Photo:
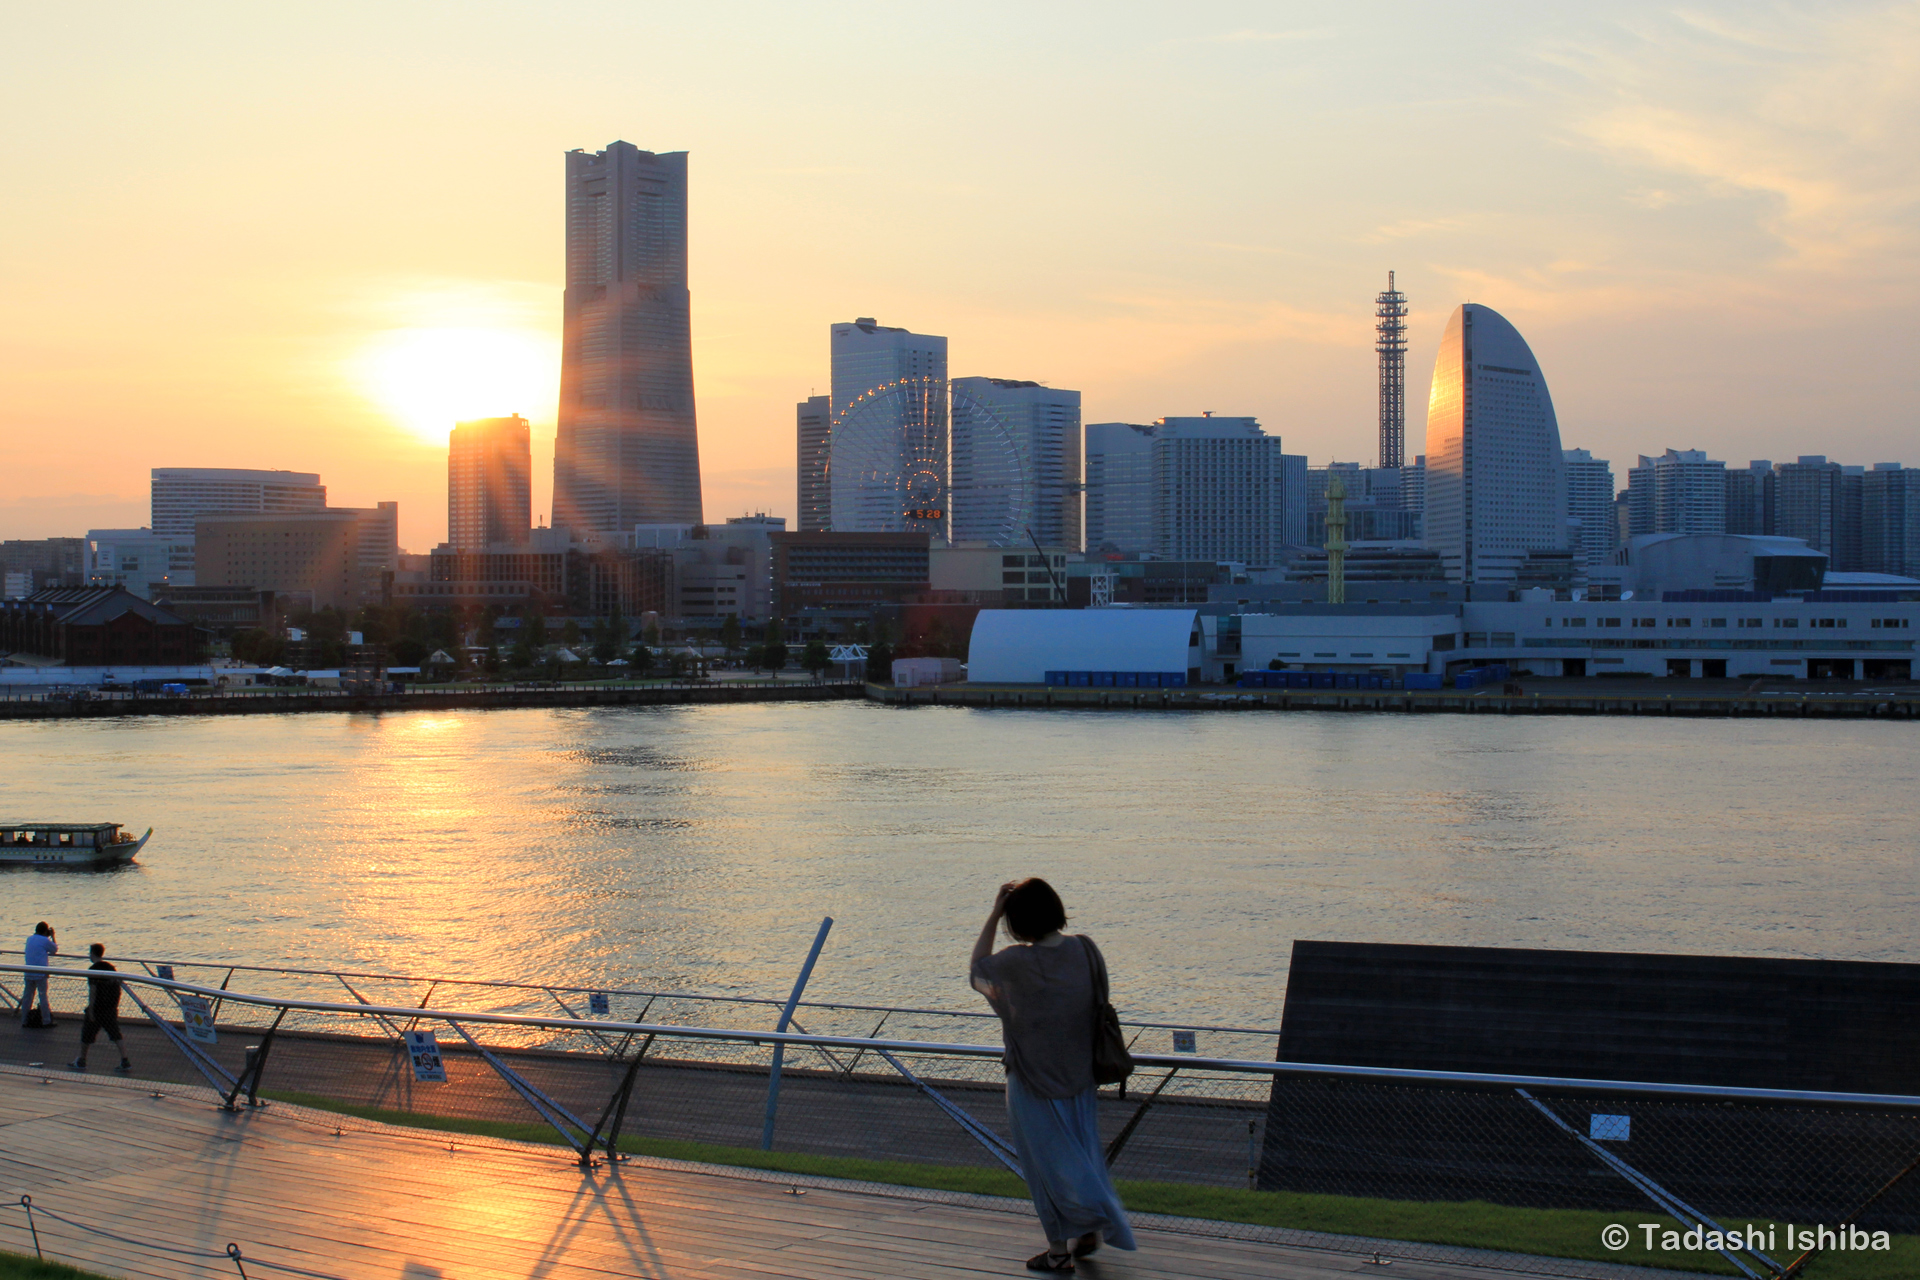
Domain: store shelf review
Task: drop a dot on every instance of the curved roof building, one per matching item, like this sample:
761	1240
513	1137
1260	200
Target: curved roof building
1496	479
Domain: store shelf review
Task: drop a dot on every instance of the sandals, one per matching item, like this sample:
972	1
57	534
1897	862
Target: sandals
1086	1244
1050	1261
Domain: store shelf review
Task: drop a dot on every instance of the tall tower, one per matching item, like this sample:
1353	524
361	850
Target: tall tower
627	451
489	483
1337	545
887	462
1391	343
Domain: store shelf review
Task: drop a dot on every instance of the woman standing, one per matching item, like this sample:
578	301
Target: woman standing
1044	989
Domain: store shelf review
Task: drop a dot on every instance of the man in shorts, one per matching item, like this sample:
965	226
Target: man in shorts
103	1012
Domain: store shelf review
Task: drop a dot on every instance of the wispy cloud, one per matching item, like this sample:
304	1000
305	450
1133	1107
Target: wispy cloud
1250	36
1412	228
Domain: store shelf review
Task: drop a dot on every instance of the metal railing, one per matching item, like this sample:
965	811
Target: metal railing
1336	1148
203	693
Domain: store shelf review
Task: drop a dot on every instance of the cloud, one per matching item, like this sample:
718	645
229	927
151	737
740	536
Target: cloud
1249	36
1409	228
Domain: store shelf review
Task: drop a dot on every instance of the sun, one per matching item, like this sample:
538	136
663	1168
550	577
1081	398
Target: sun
427	379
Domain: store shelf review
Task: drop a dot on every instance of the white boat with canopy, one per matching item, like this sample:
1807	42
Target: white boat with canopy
71	844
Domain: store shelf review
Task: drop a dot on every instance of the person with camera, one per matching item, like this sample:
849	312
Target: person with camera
1050	990
42	946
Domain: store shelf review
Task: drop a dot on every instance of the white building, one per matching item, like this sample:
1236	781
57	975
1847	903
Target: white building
1681	491
813	432
140	560
1020	646
1649	565
1119	487
1220	489
1015	463
181	495
1496	483
1010	575
1590	506
887	463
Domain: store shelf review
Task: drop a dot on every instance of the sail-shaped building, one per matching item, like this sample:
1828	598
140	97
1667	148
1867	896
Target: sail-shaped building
1496	480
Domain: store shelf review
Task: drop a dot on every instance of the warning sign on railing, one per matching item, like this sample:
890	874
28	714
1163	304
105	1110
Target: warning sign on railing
424	1049
597	1003
197	1016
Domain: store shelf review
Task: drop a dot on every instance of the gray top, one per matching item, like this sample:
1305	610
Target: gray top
1045	999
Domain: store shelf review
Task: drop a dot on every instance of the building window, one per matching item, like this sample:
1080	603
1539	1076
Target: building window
1573	622
1609	622
1679	622
1716	622
1786	623
1643	622
1749	622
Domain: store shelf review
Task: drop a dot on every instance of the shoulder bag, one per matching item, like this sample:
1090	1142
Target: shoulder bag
1112	1064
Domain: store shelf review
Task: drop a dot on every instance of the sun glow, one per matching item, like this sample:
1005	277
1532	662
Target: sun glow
427	379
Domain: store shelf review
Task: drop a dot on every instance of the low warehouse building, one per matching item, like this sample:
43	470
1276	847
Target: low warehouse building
1021	646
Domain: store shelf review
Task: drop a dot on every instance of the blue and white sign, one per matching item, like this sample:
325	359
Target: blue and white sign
1185	1042
1609	1128
196	1016
424	1049
165	971
597	1003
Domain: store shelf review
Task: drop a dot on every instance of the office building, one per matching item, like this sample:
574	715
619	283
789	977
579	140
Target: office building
552	573
718	569
814	431
141	560
1219	491
1119	505
847	573
34	563
1014	463
887	466
1590	505
1808	502
1890	520
1496	483
342	557
490	483
182	495
627	450
1681	491
995	577
1374	505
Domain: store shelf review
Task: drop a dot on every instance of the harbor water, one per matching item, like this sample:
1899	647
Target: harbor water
697	848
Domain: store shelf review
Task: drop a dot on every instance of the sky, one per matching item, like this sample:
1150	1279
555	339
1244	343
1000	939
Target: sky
313	237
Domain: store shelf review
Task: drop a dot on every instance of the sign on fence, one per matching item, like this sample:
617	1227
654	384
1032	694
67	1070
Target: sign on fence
197	1017
165	971
424	1049
1184	1042
597	1003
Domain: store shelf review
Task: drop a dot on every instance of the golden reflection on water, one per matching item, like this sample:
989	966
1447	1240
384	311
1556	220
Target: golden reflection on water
699	847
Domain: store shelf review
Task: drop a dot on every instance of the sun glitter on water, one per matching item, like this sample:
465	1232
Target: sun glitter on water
428	378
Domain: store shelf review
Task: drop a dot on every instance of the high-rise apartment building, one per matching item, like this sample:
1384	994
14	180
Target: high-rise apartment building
490	483
1806	503
1219	491
1890	520
887	464
1413	486
1590	505
182	495
1014	470
1119	510
627	450
1681	491
1496	488
1747	498
813	420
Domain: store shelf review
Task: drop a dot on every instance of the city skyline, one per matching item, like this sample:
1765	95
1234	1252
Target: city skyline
1699	220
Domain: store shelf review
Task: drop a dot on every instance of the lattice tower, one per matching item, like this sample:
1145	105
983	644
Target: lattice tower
1391	308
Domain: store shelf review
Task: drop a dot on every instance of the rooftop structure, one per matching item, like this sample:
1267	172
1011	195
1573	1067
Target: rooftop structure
1496	485
627	450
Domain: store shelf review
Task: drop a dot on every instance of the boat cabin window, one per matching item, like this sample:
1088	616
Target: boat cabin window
66	837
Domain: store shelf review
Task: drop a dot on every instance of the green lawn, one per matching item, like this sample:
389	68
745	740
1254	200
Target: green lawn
1560	1233
18	1266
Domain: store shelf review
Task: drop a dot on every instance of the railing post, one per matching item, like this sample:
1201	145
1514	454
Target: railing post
786	1016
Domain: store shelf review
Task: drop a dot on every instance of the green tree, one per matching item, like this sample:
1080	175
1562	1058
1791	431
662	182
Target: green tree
523	654
773	656
652	634
491	662
815	658
730	633
642	660
535	628
570	633
880	662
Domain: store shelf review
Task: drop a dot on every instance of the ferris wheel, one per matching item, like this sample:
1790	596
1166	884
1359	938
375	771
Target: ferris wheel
890	468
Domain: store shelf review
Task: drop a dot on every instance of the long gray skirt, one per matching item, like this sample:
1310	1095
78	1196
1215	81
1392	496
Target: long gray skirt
1059	1144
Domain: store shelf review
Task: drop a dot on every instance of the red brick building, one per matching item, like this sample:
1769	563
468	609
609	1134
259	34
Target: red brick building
96	626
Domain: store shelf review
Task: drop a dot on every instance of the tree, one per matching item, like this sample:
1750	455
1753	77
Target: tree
773	656
523	653
570	633
534	628
652	634
880	662
642	660
730	633
815	658
491	662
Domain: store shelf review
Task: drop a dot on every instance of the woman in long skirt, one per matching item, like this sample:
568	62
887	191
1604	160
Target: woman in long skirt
1043	987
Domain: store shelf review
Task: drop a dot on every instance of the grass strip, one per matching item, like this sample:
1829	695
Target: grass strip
1474	1224
19	1266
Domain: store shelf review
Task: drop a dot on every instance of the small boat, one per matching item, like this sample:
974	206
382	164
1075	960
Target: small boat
67	844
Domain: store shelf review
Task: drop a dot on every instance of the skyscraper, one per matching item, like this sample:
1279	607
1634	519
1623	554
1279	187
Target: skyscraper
1496	481
627	451
1119	487
1219	491
182	494
1681	491
1015	463
1747	498
813	421
887	464
489	483
1590	505
1806	503
1390	308
1890	520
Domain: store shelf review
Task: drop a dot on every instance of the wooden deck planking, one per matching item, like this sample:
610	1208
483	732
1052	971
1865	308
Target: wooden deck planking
374	1204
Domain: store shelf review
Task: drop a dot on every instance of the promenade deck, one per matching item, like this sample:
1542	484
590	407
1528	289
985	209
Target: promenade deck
172	1170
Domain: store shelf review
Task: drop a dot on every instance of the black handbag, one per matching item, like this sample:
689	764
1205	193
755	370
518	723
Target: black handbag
1112	1064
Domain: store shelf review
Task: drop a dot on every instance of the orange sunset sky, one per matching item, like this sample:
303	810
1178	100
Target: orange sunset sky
312	237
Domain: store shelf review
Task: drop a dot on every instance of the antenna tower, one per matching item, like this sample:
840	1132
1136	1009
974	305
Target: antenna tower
1391	308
